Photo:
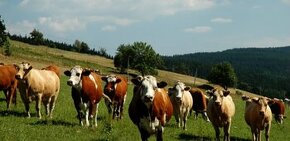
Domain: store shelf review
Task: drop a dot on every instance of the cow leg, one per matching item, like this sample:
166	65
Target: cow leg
24	99
96	117
267	131
217	132
205	117
52	105
185	119
159	132
144	134
109	106
46	102
38	105
195	115
254	134
121	108
86	110
227	129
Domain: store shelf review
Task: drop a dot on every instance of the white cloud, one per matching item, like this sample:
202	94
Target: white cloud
108	28
62	24
131	10
267	42
21	27
198	29
221	20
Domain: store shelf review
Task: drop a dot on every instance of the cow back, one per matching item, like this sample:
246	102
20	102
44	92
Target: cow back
92	87
162	106
121	89
199	100
53	68
7	76
42	81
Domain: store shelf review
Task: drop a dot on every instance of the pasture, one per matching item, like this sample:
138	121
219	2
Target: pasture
64	124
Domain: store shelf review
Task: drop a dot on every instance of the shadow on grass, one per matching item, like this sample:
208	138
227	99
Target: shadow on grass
12	113
59	122
55	123
190	137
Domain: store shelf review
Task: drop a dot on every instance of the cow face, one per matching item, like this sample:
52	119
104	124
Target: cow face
111	83
218	95
147	87
75	76
178	90
23	69
262	104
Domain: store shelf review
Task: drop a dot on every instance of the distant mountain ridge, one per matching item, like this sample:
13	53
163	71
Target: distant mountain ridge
263	71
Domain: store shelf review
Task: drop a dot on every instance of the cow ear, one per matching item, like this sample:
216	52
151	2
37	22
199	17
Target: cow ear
118	80
255	100
86	72
16	67
161	84
104	78
226	92
270	101
210	92
187	88
67	73
136	81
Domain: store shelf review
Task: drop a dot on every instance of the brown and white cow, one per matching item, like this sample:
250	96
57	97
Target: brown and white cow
86	92
116	90
150	107
200	101
258	116
278	110
181	100
220	111
8	83
43	85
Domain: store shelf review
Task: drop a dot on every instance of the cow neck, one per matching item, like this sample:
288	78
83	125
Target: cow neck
27	71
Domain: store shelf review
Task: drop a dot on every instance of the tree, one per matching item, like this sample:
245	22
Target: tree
223	74
37	37
3	36
139	56
77	45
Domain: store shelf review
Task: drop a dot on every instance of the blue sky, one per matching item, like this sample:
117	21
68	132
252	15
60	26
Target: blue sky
169	26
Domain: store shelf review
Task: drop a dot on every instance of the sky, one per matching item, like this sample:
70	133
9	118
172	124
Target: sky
171	27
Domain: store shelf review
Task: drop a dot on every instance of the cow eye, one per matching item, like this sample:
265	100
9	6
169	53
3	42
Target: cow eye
78	74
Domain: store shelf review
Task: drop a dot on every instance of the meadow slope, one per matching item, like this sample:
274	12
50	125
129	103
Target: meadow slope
64	125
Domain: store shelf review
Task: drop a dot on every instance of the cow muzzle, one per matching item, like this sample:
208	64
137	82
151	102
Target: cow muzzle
148	98
262	113
70	83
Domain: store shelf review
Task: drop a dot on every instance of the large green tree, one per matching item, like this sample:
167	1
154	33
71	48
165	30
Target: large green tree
139	56
37	37
223	74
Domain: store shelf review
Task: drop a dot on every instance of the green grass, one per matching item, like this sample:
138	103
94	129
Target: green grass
64	124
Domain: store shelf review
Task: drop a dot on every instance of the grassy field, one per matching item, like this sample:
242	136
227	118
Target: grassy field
64	124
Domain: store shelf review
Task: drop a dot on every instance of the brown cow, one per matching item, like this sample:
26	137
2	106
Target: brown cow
116	90
221	109
86	92
278	110
150	107
181	100
8	83
258	116
44	85
53	68
200	101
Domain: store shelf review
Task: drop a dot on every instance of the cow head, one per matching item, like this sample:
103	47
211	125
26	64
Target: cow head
278	109
262	104
218	95
111	83
22	70
178	90
147	87
75	76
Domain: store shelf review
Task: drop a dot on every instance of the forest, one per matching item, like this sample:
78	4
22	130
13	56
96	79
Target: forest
264	71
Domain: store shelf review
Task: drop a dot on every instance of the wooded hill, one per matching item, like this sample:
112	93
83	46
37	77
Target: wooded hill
264	71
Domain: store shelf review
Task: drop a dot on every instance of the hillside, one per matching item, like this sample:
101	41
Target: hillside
259	70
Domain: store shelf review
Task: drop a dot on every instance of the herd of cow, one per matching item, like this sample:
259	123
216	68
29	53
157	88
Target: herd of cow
151	106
